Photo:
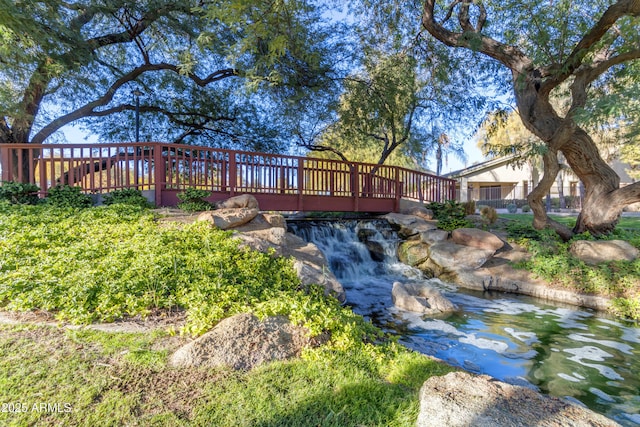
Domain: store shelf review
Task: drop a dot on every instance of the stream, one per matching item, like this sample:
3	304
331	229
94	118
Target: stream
556	349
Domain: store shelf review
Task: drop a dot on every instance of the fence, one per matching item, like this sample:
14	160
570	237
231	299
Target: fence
279	182
501	196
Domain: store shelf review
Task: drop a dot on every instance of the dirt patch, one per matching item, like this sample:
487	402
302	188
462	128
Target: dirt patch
174	216
158	319
176	390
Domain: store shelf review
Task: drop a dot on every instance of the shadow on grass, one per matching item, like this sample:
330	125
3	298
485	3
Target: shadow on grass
334	393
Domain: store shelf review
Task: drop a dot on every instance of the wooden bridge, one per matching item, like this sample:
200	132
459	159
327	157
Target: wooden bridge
279	182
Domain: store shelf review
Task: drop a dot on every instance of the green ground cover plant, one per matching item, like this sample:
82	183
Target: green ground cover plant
192	200
19	193
552	261
625	223
66	196
110	262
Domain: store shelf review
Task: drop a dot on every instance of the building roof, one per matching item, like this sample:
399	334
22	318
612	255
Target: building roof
480	167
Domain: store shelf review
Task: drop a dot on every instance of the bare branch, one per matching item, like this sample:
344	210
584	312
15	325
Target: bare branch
463	17
89	109
450	10
510	56
324	148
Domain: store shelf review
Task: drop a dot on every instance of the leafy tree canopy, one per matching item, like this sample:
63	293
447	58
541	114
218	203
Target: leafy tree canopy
212	72
588	50
401	99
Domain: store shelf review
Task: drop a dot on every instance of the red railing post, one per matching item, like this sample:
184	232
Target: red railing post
398	190
355	171
233	173
300	183
159	168
5	163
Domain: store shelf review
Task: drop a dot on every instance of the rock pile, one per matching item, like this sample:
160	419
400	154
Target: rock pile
263	231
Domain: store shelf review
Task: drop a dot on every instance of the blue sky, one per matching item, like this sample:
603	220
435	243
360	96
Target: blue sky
74	134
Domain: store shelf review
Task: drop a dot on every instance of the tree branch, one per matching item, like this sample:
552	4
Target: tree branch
324	148
608	19
508	55
89	109
627	194
592	73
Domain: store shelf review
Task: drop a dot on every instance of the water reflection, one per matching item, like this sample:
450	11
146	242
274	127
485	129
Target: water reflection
558	350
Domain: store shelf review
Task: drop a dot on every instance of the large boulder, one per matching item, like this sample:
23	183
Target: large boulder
241	201
460	399
476	238
451	257
413	252
409	207
318	274
269	227
433	236
420	298
409	225
243	342
369	237
228	218
595	252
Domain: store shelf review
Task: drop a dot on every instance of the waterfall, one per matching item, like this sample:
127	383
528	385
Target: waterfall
351	246
363	256
563	351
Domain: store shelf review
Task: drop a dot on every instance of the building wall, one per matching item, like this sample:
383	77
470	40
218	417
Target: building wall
507	182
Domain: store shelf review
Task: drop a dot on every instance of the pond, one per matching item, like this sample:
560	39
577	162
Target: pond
559	350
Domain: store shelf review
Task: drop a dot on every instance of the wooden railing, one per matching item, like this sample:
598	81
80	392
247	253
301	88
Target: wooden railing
279	182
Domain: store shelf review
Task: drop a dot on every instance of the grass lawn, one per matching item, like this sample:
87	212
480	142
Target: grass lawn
91	378
626	222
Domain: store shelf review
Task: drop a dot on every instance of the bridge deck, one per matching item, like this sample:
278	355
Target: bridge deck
279	182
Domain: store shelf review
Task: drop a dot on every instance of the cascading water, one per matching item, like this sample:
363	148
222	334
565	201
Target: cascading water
559	350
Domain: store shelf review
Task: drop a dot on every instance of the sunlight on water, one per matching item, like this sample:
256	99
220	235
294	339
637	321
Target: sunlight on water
558	350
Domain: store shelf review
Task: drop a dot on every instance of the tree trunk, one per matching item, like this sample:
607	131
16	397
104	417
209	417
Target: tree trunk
535	198
604	200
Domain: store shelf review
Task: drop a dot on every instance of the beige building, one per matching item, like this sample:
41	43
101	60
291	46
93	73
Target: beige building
498	182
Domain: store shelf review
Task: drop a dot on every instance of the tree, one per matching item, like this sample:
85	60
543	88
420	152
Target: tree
394	110
591	47
212	72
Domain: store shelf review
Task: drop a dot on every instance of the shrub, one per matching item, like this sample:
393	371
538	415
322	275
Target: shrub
488	214
66	196
512	208
518	230
526	208
448	209
470	207
19	193
450	215
626	307
192	200
127	196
